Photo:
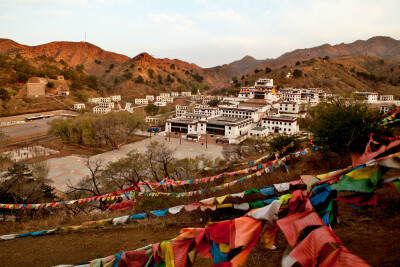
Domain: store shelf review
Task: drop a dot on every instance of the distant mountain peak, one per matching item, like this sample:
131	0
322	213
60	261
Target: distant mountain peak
247	57
143	56
378	46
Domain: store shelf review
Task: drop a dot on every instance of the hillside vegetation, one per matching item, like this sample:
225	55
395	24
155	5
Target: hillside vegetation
370	65
335	75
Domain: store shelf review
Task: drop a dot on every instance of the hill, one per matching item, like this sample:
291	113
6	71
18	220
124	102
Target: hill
246	63
379	46
8	46
116	72
144	74
73	53
340	75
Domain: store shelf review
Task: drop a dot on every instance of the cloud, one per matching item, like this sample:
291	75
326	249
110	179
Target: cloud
177	21
8	18
228	15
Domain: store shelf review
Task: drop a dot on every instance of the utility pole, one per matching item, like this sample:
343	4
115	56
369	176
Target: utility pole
169	136
206	139
180	137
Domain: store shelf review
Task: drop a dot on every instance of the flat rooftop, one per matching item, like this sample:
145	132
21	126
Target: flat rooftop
258	129
289	102
221	120
281	118
237	108
195	115
183	119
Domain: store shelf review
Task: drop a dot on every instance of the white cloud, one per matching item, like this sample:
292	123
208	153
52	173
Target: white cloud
177	21
227	15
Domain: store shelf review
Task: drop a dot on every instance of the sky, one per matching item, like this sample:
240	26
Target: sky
205	32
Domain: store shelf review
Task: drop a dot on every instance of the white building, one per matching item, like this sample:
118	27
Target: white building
370	97
264	83
386	98
155	120
159	98
168	100
141	101
165	95
201	105
186	93
94	100
224	126
240	112
293	95
160	104
207	111
110	105
115	98
100	110
262	89
63	92
281	125
385	109
79	106
180	110
150	97
288	107
164	99
174	94
206	98
258	132
310	95
105	100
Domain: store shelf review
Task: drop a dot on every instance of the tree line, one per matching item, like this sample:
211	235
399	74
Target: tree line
111	129
156	164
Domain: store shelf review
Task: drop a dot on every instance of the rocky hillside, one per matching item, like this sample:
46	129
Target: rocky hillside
380	46
8	46
341	75
144	74
73	53
119	73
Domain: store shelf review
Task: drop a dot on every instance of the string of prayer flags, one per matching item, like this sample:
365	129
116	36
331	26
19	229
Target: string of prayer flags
123	194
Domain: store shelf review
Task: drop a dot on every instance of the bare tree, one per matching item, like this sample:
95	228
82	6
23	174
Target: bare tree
126	171
258	143
92	182
160	156
234	152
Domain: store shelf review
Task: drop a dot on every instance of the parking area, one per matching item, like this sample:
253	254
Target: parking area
73	167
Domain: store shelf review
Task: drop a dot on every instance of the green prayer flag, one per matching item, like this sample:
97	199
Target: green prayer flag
256	204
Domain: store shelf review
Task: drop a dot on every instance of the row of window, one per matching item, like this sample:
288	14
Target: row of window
242	125
237	112
280	129
294	109
278	122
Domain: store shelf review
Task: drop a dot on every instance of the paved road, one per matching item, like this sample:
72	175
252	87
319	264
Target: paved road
73	167
28	128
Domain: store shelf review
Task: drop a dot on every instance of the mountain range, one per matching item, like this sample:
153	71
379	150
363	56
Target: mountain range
120	73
